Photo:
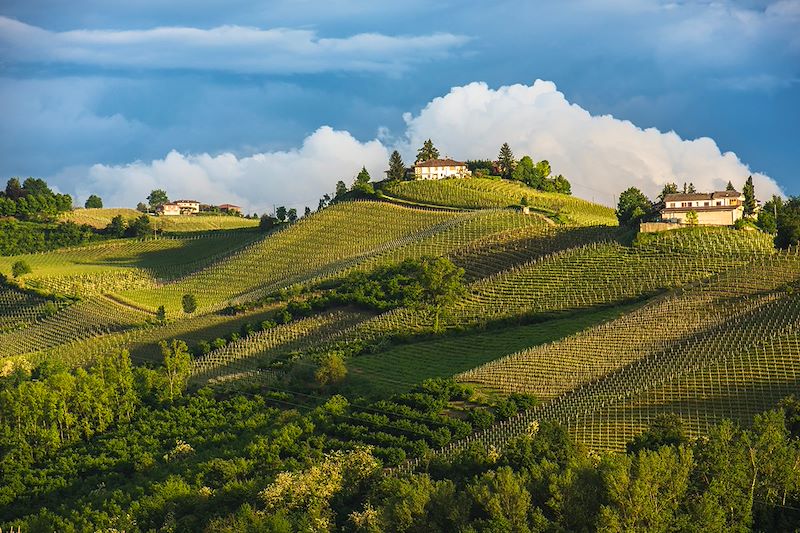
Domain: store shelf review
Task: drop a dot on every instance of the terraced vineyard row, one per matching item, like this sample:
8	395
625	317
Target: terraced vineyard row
246	354
19	309
578	278
89	318
481	193
726	349
326	242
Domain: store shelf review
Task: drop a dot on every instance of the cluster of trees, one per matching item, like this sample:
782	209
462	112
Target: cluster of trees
140	226
25	237
32	200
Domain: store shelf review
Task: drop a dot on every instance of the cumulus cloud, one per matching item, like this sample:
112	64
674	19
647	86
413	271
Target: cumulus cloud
228	48
601	155
295	178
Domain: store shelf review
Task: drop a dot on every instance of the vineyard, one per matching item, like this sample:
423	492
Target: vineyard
100	218
606	331
482	193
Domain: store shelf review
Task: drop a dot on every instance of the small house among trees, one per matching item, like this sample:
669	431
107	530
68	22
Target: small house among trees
436	169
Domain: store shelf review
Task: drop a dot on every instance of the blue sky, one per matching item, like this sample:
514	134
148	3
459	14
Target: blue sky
120	97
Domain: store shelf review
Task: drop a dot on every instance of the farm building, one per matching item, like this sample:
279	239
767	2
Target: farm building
436	169
188	207
169	209
230	208
720	208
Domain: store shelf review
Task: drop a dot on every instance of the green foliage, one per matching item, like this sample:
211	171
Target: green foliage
281	213
691	218
428	151
749	192
177	367
397	169
32	201
291	215
666	430
506	162
442	284
93	202
161	314
633	206
157	198
341	190
267	222
361	185
330	369
730	187
20	268
669	188
788	224
189	303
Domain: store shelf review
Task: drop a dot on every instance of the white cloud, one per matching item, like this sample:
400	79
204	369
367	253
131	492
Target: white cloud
295	178
224	48
600	155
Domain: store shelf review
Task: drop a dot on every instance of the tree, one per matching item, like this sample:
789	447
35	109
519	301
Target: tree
14	189
117	226
177	366
562	185
666	430
362	184
291	215
397	169
189	303
20	268
506	161
691	218
428	151
161	314
306	211
281	213
330	369
341	190
141	207
267	222
139	227
442	284
157	197
749	192
669	188
788	224
503	498
730	187
691	189
93	202
633	205
524	171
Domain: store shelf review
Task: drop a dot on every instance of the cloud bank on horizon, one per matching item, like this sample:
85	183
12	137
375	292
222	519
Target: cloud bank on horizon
600	155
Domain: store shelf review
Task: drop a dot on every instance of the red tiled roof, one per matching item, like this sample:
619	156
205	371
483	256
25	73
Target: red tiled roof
440	163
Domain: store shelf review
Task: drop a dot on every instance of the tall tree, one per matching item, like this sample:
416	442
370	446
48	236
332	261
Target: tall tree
362	184
291	215
93	202
189	303
177	367
506	161
633	205
397	169
669	188
691	189
157	197
442	284
730	187
428	151
341	190
524	171
749	192
14	189
281	213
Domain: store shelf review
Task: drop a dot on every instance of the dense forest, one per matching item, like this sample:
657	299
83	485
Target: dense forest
129	448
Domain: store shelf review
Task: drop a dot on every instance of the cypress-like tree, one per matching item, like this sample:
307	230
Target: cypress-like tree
397	169
749	197
730	187
428	151
506	161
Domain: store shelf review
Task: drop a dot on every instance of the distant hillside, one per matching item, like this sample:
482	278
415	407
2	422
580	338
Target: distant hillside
100	218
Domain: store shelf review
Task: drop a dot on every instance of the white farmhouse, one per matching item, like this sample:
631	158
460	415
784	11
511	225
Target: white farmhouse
436	169
721	208
188	207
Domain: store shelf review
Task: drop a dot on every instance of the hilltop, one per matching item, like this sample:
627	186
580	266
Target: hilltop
434	320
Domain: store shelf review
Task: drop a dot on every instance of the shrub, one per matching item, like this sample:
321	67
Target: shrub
20	268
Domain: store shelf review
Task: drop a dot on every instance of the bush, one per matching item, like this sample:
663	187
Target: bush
189	303
20	268
481	418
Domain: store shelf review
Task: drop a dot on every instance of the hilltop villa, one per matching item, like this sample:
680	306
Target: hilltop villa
188	207
721	208
436	169
170	209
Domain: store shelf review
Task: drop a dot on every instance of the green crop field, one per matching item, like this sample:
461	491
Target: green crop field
100	218
482	193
